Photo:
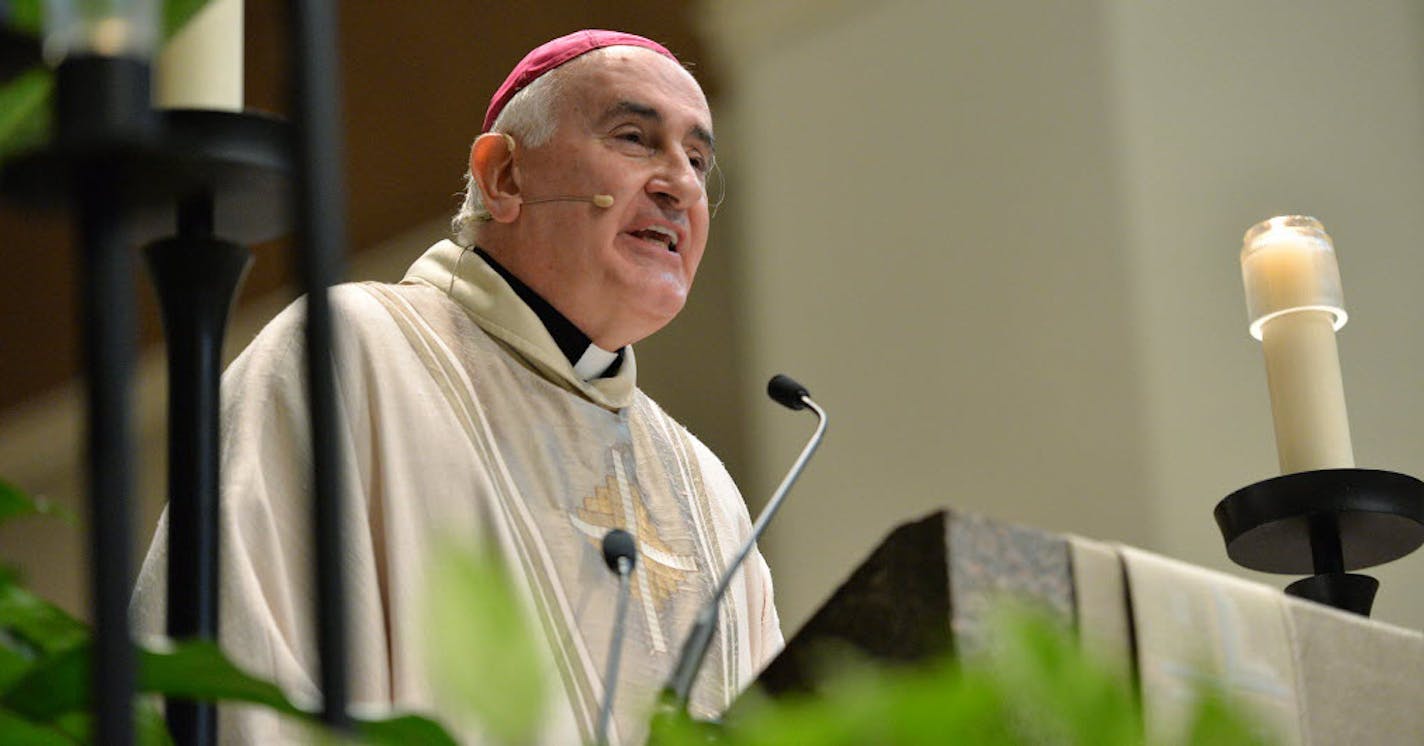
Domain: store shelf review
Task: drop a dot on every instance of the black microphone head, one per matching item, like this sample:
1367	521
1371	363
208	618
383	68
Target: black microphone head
786	391
619	543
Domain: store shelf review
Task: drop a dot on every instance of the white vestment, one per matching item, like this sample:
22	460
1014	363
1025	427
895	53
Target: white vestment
460	418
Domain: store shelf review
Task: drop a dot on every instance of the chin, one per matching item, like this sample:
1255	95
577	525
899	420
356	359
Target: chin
656	313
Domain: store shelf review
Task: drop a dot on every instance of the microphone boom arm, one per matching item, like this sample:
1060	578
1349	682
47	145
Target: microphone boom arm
694	650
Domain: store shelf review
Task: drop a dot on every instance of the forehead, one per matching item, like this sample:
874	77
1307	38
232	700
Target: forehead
606	77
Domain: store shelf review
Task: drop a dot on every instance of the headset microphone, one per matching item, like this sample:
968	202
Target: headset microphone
597	200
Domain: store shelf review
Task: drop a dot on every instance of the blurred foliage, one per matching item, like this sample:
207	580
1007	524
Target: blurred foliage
482	649
1035	687
16	504
44	674
25	101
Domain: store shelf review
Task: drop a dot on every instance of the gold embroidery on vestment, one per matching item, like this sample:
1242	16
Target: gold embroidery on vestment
660	569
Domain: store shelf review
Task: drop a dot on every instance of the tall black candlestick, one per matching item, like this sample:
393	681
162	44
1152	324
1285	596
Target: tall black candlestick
320	217
196	276
107	309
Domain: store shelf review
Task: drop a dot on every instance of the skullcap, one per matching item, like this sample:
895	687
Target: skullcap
550	55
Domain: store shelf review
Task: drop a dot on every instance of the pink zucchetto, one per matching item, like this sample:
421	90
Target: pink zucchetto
550	55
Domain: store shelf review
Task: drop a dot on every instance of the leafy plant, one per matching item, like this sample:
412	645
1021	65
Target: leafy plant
1036	687
44	682
482	648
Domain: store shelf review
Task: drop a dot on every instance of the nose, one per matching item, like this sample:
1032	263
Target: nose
676	184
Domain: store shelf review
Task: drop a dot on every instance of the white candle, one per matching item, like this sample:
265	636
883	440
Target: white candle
201	66
1295	302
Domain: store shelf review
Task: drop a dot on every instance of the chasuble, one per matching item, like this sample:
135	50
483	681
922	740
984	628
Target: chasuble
462	420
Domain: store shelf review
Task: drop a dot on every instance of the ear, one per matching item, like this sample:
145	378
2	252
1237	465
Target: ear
492	166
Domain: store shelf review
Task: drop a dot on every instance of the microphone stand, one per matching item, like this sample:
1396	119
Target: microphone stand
678	689
615	651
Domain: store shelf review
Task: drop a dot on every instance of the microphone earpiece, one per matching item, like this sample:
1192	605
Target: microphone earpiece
603	200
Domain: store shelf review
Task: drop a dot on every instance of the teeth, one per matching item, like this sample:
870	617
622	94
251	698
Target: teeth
671	237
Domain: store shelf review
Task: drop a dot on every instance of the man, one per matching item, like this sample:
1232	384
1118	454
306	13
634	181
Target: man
490	397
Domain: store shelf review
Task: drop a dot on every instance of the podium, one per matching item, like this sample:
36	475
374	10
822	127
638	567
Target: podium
1309	673
924	593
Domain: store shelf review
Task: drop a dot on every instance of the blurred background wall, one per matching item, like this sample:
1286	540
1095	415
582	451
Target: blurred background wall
997	240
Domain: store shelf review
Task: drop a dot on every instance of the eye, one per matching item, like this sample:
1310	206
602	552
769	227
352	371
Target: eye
699	162
632	139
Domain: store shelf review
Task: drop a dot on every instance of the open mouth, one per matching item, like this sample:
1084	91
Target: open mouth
657	234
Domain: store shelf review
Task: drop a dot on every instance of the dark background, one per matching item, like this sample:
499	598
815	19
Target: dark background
416	80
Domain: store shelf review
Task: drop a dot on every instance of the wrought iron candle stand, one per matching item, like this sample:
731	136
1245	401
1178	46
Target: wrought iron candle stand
1325	524
206	182
203	183
237	197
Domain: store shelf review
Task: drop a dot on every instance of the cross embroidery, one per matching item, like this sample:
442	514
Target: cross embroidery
660	569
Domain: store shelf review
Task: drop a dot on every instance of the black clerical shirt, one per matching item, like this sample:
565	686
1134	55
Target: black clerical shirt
570	339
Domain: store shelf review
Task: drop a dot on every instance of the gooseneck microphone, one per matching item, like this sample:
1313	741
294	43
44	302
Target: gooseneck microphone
792	395
784	390
620	553
597	200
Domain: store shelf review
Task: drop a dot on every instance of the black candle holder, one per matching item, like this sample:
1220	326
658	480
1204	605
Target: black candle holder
202	183
237	171
132	174
1325	524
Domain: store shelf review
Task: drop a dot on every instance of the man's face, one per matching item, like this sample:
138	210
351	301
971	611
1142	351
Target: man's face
634	125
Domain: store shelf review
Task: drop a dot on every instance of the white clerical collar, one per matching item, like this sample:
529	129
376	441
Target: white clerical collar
588	360
494	305
594	362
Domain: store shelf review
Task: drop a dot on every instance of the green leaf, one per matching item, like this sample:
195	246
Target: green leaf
1035	686
75	725
1216	721
404	730
1067	696
198	670
17	731
177	13
57	687
150	729
14	503
25	16
37	623
24	111
54	686
483	651
15	659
